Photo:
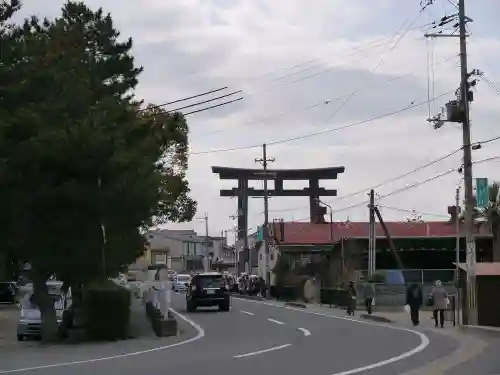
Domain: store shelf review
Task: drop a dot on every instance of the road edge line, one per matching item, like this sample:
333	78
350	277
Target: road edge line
200	334
424	340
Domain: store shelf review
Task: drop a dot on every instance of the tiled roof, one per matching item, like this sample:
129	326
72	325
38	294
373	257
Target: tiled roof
310	233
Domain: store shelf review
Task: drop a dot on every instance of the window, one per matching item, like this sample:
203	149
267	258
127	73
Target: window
160	258
209	281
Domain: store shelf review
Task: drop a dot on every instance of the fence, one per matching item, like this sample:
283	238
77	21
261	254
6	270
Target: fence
421	276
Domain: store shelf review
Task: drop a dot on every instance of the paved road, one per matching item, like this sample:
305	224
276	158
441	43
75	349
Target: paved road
259	338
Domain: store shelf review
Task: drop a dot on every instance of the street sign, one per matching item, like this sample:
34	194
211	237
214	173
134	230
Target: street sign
482	192
260	234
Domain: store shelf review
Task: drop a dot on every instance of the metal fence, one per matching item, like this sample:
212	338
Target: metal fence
421	276
387	295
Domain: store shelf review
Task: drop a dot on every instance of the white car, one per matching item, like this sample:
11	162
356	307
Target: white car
180	282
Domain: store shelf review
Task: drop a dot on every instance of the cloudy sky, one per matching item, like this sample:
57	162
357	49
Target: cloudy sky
310	67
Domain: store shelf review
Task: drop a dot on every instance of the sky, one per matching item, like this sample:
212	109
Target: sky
333	67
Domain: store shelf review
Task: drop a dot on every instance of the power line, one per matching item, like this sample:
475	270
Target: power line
414	185
401	176
412	211
181	100
314	134
213	106
323	102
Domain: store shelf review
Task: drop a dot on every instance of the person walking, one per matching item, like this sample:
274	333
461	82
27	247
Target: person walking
352	296
414	299
369	296
439	299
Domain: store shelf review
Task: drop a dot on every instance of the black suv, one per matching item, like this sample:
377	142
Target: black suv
208	289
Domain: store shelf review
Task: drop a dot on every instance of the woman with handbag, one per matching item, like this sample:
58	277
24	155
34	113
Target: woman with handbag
438	299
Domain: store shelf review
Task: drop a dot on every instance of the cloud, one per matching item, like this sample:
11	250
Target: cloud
293	61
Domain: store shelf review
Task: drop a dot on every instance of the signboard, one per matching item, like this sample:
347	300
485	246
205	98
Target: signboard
482	192
260	234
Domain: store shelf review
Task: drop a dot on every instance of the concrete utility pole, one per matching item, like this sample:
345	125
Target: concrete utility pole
462	115
264	160
457	251
469	193
371	235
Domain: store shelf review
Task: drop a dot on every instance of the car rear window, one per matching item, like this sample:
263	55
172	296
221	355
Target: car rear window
209	281
183	278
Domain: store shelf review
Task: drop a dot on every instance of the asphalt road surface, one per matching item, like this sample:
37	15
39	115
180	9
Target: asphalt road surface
261	338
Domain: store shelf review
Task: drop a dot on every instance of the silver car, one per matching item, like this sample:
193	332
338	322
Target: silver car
30	320
180	283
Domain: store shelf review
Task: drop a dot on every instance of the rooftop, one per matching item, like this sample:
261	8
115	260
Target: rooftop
310	233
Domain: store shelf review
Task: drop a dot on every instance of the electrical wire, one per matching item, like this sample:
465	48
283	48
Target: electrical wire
315	134
181	100
414	185
398	177
412	211
322	103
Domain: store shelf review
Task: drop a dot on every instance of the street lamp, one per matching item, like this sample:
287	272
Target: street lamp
332	239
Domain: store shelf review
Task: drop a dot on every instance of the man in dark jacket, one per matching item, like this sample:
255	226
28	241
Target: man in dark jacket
414	299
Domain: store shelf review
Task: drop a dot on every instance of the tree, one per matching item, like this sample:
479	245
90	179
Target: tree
86	169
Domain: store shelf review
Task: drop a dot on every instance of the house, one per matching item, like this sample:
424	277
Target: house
181	250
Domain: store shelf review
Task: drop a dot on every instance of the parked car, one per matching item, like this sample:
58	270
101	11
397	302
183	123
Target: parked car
8	290
30	318
208	289
180	282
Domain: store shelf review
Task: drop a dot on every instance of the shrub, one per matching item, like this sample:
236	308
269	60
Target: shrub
106	311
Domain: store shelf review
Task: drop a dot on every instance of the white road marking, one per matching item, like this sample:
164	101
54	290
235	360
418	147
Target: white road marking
305	331
275	321
246	312
424	340
263	351
199	335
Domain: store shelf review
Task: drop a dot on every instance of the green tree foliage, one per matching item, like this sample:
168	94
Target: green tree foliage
78	156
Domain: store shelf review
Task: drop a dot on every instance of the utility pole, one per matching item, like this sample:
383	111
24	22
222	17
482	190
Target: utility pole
264	160
458	111
457	251
371	235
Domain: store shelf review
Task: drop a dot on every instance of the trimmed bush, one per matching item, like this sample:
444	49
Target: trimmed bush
106	311
334	296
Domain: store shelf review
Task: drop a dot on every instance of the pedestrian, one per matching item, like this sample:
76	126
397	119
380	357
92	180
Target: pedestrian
439	299
352	296
414	300
369	296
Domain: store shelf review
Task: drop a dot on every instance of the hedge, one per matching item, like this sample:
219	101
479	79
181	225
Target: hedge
106	309
334	296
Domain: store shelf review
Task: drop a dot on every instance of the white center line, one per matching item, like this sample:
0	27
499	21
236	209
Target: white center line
305	331
275	321
262	351
246	312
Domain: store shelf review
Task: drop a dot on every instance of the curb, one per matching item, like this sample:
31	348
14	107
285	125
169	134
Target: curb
376	318
296	304
485	330
244	296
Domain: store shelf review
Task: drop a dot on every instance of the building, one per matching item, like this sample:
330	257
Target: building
426	249
181	250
